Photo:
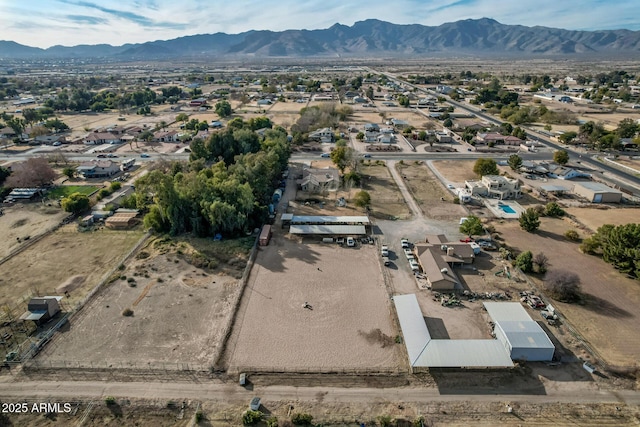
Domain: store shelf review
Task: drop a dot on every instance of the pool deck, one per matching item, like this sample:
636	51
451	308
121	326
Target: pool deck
494	207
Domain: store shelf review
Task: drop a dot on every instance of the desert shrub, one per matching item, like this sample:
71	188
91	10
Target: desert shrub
131	280
563	285
272	422
553	209
384	420
199	416
572	235
121	267
250	418
110	400
541	261
142	255
301	419
127	312
160	280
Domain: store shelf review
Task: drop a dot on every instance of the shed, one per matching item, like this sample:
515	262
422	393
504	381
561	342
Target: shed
596	192
523	338
41	309
265	235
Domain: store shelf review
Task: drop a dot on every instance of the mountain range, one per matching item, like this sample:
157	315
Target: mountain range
370	38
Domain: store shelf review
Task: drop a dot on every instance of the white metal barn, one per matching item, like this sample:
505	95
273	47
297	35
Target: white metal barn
523	338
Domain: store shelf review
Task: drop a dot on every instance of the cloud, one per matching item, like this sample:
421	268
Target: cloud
126	15
93	20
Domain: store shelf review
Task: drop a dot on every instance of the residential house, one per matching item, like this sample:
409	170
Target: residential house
166	136
263	102
319	180
370	136
444	137
372	127
498	139
50	139
96	138
200	102
401	124
322	135
438	256
386	138
563	172
98	169
495	186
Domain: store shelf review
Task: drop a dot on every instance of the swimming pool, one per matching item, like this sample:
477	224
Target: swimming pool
506	209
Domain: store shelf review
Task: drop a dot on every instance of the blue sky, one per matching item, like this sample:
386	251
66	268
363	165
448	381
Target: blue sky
44	23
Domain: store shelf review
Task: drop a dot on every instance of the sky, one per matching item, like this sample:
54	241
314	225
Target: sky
44	23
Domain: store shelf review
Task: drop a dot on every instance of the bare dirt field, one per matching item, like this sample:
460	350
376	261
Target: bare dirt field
457	171
386	199
26	219
179	316
429	193
348	324
595	217
630	162
608	316
60	256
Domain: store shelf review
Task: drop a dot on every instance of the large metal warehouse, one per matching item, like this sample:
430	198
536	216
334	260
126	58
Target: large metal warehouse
596	192
523	337
423	351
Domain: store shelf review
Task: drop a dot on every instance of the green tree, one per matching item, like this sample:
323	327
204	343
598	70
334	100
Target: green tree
69	172
362	199
530	220
341	157
515	162
568	137
561	157
621	248
524	261
484	166
360	136
627	128
301	419
472	226
182	117
223	108
75	203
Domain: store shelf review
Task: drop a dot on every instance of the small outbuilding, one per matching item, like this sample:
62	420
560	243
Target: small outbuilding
41	309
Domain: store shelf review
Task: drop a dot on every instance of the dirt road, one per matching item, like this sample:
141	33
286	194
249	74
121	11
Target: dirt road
45	390
403	189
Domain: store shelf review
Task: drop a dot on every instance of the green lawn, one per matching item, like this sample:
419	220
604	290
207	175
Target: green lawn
65	190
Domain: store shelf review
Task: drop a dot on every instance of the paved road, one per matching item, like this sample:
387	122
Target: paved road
46	390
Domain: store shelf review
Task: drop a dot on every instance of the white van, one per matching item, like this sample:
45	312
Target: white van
351	242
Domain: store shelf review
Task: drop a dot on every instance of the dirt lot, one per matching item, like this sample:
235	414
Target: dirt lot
608	316
349	322
84	257
594	217
457	171
26	219
179	314
429	192
386	199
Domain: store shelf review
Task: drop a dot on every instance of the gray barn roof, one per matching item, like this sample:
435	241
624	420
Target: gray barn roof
327	219
426	352
328	229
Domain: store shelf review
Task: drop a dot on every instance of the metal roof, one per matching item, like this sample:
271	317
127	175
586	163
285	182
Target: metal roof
525	334
465	354
325	219
426	352
507	311
598	187
328	229
414	329
33	315
553	188
287	216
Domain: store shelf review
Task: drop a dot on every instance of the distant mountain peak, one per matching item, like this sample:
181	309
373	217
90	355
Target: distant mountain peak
478	37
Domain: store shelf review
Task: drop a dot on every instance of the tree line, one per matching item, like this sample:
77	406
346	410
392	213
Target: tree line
225	187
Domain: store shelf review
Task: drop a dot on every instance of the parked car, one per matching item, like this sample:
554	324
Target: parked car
466	240
408	253
351	242
450	187
325	155
367	156
101	156
414	265
145	155
111	156
385	260
57	144
384	251
404	243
